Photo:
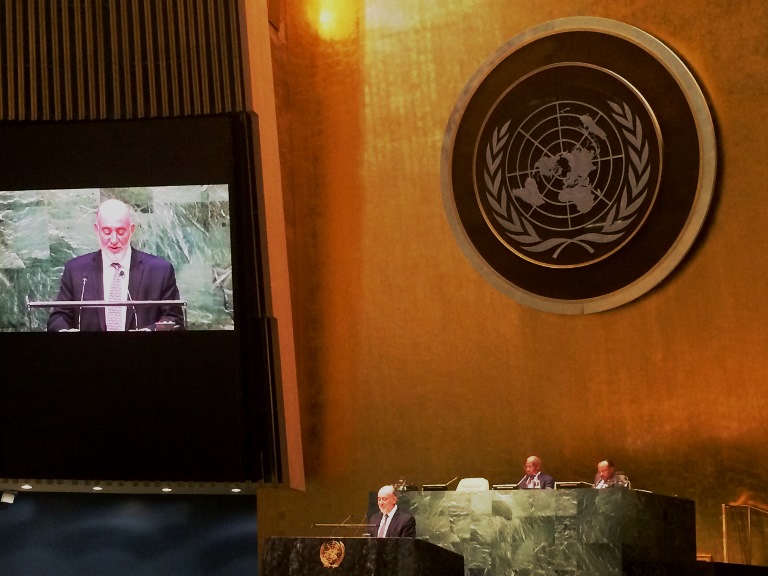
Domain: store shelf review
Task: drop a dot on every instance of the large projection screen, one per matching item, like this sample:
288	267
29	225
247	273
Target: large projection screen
192	404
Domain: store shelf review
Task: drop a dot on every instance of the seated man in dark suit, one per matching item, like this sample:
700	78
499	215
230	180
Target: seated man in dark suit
534	478
390	522
607	476
116	273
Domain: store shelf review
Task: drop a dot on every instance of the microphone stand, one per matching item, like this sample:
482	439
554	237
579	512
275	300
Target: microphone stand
80	309
128	293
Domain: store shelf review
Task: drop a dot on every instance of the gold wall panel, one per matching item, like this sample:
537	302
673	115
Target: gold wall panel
411	364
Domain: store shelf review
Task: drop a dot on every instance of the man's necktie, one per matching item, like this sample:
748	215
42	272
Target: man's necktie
383	526
113	312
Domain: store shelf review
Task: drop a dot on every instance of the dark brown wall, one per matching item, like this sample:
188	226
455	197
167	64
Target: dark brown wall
92	59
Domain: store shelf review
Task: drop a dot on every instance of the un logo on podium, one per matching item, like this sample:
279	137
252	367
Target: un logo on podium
332	553
578	165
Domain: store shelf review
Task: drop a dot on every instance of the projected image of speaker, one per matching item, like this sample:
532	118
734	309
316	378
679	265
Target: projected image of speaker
182	396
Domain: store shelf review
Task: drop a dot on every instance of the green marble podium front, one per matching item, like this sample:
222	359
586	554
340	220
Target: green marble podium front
556	532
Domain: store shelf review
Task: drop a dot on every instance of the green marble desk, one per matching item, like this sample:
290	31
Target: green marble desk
570	532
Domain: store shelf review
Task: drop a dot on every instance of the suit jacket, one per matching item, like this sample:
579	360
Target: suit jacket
545	481
617	479
150	278
402	525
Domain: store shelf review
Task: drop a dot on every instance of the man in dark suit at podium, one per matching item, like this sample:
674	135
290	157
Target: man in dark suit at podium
389	521
118	273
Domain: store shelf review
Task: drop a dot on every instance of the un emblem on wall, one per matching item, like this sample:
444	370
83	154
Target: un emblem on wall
578	165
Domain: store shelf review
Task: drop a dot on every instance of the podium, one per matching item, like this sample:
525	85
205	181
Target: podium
360	556
576	532
134	304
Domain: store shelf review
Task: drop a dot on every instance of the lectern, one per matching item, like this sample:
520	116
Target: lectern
359	557
134	304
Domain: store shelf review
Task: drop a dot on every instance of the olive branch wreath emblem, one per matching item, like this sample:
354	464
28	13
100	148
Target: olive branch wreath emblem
622	213
332	553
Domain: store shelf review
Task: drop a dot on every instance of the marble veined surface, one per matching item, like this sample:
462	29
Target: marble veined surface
358	557
188	225
536	532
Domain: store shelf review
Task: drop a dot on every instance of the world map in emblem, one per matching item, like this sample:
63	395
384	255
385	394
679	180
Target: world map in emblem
573	179
560	184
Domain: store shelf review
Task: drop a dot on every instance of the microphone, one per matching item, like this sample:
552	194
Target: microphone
128	292
522	480
339	526
80	309
367	529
